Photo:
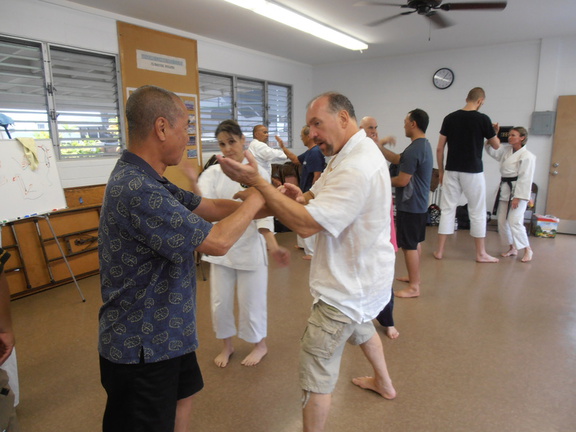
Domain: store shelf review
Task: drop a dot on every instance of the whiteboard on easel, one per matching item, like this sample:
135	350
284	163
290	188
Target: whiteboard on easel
25	192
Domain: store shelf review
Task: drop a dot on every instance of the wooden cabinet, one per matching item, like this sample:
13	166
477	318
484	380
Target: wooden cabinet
36	263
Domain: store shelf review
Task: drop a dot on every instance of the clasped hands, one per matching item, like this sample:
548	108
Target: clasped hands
247	174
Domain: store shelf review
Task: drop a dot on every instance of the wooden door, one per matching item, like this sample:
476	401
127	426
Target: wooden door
561	201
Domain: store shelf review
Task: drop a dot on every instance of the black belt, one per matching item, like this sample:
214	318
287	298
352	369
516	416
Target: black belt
508	181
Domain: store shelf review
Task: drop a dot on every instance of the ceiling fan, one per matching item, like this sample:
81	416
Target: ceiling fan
429	8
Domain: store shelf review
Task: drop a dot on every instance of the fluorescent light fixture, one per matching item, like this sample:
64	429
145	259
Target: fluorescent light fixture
300	22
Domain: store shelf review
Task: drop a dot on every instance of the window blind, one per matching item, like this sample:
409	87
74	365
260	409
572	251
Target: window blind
68	95
248	101
86	103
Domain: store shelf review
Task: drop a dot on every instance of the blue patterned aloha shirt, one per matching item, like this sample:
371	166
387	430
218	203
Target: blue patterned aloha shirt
146	240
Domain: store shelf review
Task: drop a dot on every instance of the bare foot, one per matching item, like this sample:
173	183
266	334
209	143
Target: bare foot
307	257
437	255
387	391
510	252
409	292
298	247
403	279
257	354
222	359
485	258
527	255
391	332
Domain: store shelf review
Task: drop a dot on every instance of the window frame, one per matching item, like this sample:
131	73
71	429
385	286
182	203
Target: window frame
209	143
51	105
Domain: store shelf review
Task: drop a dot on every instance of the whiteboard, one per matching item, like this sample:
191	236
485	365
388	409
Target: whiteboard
23	192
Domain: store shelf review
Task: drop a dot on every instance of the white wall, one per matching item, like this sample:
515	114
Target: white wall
518	78
86	28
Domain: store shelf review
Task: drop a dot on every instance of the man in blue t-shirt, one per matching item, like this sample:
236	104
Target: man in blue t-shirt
312	163
149	230
412	189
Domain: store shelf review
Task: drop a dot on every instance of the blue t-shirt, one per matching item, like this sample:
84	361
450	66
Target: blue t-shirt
417	161
312	161
146	240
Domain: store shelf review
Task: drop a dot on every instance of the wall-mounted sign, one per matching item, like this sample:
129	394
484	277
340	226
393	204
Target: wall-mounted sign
160	63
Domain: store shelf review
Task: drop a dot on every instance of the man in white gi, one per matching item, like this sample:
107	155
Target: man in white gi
349	209
464	131
263	153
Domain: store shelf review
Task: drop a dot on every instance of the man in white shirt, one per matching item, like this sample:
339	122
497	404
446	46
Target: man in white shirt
263	153
349	208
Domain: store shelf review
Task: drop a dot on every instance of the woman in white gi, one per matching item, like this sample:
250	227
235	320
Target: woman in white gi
245	265
517	170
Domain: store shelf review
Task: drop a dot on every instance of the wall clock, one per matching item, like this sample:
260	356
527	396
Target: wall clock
443	78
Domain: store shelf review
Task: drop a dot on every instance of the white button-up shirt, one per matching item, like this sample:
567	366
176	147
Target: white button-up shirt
266	155
353	265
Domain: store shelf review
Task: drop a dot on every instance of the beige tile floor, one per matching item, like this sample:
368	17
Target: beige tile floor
487	347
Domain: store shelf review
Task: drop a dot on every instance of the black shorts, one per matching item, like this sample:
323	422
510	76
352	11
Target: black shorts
143	397
410	229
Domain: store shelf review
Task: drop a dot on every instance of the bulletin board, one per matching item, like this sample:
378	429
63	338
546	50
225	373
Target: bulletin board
150	57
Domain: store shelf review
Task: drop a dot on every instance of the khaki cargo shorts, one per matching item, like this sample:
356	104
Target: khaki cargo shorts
322	345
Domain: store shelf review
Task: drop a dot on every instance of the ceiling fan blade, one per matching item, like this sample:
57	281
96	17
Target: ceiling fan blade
390	18
439	20
372	3
473	6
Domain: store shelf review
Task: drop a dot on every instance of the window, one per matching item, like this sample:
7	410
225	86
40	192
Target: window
280	111
248	101
215	106
67	95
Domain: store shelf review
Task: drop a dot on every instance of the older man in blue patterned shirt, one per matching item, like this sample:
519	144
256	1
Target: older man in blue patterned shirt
149	229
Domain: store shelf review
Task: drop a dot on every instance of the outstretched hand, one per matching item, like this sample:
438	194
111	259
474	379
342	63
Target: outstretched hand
190	171
245	174
390	140
279	141
281	255
292	191
245	193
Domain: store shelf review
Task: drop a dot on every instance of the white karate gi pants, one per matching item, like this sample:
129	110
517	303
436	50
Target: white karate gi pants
473	186
252	303
511	229
307	244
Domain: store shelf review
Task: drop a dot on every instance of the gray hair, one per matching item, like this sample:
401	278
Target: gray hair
145	105
336	103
